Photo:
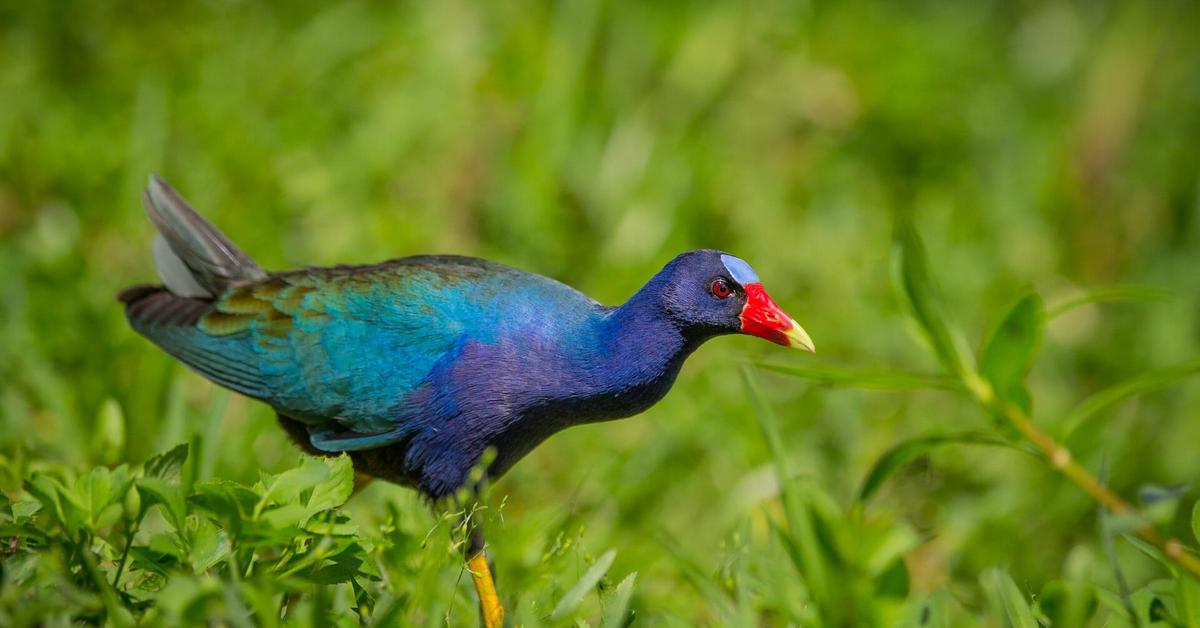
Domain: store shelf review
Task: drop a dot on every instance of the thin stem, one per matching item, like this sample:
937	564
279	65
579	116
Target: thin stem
131	531
1061	460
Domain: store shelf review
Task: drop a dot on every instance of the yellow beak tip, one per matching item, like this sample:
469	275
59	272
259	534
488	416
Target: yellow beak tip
798	339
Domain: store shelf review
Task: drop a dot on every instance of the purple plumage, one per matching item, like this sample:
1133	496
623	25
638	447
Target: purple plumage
417	366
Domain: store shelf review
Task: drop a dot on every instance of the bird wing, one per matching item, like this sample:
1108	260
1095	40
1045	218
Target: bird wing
342	350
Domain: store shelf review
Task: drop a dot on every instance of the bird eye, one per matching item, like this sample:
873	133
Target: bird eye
720	289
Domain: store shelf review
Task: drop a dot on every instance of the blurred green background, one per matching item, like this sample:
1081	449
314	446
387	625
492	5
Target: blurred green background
1045	145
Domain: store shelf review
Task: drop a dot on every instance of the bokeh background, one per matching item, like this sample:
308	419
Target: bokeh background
1045	145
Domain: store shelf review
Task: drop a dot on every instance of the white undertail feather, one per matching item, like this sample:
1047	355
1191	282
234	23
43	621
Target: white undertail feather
192	257
174	273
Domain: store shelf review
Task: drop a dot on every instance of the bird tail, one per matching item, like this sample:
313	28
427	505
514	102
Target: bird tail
196	263
192	257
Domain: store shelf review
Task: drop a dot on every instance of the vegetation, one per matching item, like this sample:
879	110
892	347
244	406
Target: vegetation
986	214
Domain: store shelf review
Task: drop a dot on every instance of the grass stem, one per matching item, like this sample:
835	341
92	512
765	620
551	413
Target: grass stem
1061	460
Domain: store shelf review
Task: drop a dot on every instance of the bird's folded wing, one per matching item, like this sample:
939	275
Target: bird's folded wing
337	354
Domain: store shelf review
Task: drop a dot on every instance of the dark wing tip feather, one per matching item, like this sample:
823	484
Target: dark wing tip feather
134	293
155	305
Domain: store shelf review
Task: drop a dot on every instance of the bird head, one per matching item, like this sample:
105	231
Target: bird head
712	293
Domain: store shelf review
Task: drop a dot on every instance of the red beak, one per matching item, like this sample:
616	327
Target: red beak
763	318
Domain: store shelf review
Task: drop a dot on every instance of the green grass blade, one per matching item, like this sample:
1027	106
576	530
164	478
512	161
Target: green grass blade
874	379
900	455
912	277
1011	349
1147	382
618	603
701	580
1109	294
574	597
1004	594
1187	600
211	434
812	563
1196	521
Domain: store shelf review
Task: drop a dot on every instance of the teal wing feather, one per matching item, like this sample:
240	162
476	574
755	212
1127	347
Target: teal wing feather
342	349
170	321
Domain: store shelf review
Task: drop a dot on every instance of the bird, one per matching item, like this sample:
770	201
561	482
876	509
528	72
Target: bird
418	366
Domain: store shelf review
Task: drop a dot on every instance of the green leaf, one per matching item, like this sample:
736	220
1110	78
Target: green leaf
57	501
151	559
1108	294
228	500
876	379
900	455
1010	351
1067	603
1158	612
342	566
167	465
287	486
894	581
911	274
1004	594
108	438
937	610
335	489
99	490
800	522
616	611
24	509
209	545
1148	549
879	551
1187	600
286	516
1147	382
1195	520
574	597
159	491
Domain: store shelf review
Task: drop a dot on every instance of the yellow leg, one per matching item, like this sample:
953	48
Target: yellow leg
489	600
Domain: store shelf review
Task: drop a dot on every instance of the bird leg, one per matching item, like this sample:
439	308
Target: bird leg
485	585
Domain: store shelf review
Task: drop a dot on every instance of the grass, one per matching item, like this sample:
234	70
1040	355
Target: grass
984	213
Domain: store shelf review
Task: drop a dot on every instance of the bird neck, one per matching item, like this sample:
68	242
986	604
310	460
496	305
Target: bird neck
641	343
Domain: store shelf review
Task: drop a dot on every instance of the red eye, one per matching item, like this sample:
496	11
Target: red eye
720	289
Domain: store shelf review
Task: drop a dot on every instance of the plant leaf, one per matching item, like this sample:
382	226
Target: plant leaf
51	494
1067	602
911	273
900	455
1187	600
108	436
1003	593
876	379
574	597
800	523
209	545
228	500
334	490
287	486
158	491
167	465
1009	353
1196	521
1148	549
1108	294
1147	382
617	610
